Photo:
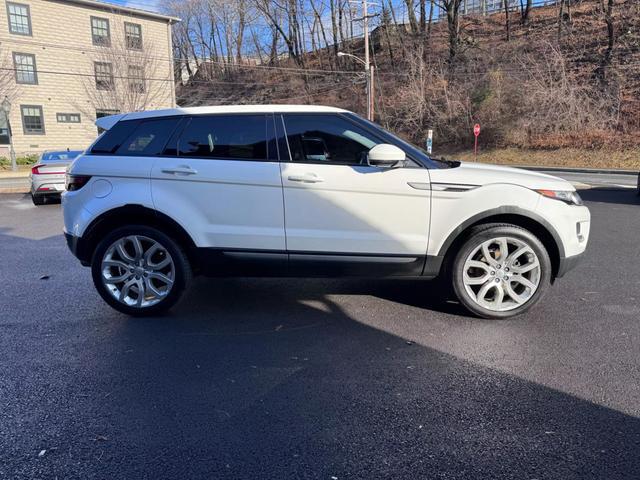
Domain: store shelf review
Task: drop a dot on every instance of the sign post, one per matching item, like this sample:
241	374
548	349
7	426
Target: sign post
476	133
429	141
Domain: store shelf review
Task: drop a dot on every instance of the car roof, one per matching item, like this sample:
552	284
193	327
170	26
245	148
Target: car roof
109	121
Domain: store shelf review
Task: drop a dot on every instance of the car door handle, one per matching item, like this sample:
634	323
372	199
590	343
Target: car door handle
308	178
180	171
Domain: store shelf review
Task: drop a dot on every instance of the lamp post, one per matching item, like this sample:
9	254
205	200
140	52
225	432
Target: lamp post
369	75
6	108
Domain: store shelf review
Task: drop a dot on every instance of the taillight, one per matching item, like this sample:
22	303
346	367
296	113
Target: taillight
76	182
35	170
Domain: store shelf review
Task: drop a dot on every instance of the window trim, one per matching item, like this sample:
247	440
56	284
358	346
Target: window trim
69	116
93	38
28	7
126	36
24	127
111	76
35	68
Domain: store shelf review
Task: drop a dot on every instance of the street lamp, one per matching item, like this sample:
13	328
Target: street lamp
369	75
6	108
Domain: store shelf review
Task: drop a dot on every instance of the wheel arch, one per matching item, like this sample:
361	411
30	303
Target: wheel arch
537	225
131	214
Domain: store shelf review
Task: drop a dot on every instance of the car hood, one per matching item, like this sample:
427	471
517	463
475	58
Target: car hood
479	174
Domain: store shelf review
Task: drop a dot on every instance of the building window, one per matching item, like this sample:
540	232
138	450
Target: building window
25	66
136	79
32	119
68	117
133	35
4	129
19	18
100	32
104	76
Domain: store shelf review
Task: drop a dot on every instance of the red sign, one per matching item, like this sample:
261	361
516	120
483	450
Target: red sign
476	129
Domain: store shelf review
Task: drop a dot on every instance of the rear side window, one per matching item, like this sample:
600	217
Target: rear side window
233	137
149	138
136	137
111	140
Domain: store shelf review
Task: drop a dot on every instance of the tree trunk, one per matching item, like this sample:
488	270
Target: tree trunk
411	12
524	19
506	16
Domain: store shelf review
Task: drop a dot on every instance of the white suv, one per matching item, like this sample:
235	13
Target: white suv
307	191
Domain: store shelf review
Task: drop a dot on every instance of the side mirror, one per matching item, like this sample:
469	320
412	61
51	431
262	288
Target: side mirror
385	155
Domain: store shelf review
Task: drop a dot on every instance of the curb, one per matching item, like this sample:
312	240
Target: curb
600	171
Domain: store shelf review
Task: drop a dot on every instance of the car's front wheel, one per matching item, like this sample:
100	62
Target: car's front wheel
500	271
139	270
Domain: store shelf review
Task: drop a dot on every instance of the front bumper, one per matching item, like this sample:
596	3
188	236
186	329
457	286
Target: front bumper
568	263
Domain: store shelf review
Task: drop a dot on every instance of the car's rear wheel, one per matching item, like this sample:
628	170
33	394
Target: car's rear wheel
139	270
500	271
37	199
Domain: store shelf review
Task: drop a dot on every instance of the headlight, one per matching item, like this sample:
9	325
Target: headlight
572	198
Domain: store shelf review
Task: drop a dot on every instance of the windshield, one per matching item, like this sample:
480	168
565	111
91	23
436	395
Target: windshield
66	155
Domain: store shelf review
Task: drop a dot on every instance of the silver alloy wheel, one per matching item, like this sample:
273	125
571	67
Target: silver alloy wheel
138	271
502	273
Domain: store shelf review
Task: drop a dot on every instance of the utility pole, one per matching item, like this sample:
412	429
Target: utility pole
368	69
367	64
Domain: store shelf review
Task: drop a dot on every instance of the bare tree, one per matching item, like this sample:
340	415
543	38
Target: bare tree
452	9
127	77
8	85
611	38
526	11
507	20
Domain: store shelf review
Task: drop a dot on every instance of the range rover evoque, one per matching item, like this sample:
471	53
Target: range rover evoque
283	190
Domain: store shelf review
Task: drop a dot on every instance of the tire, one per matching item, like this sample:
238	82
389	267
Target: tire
38	199
511	287
159	265
638	191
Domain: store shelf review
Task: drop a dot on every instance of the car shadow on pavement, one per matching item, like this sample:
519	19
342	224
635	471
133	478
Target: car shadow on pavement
609	195
251	379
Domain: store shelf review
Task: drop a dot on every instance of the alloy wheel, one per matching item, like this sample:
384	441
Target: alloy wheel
502	274
138	271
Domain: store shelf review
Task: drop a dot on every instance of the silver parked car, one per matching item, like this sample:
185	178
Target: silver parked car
48	175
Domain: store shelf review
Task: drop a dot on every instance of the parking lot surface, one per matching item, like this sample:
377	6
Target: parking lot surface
322	379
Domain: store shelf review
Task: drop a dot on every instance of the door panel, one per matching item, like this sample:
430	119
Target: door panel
356	209
335	203
224	203
221	184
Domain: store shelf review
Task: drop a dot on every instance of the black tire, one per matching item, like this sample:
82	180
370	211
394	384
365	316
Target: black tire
638	191
183	271
476	237
38	199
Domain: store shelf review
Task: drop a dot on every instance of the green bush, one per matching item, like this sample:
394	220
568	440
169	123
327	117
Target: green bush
21	160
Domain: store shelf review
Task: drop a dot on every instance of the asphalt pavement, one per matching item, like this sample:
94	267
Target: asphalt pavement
326	379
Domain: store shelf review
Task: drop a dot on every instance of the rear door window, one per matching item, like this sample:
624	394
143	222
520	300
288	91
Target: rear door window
225	137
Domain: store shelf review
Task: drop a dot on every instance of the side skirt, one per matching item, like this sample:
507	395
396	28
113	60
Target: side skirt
267	263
